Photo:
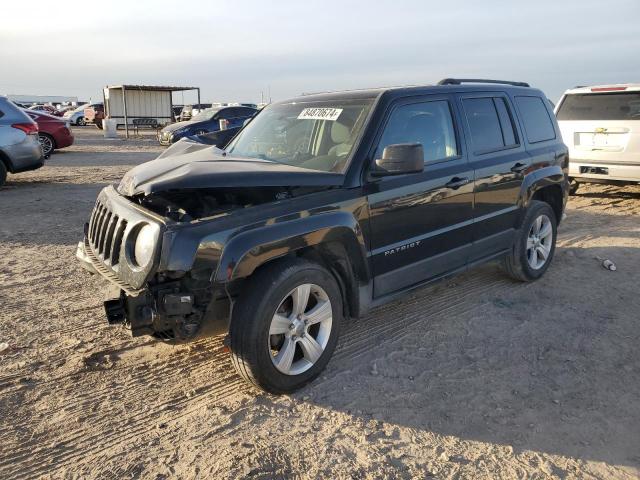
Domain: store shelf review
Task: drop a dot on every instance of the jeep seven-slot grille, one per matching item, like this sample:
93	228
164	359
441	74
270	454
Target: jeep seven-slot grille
106	230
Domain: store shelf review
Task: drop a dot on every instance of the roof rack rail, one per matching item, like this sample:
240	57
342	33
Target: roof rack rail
458	81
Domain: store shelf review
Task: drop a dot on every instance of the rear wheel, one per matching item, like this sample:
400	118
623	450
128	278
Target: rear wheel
81	122
3	173
535	244
285	325
47	143
573	186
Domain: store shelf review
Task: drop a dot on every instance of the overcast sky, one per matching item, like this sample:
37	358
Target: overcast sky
234	50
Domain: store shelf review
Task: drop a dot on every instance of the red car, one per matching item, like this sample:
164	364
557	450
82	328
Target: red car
46	109
53	132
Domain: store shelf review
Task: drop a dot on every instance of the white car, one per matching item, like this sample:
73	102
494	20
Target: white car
76	116
601	127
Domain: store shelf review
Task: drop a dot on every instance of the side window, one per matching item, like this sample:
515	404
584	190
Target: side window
484	124
428	123
225	114
508	134
537	123
490	123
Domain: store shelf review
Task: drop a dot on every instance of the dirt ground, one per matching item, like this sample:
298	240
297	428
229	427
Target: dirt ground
478	377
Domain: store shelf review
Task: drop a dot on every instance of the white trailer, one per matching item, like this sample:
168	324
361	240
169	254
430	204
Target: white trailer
126	103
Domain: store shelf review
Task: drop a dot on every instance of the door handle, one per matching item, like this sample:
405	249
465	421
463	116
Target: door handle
519	167
457	182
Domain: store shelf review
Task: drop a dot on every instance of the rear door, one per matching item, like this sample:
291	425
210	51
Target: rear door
499	160
420	224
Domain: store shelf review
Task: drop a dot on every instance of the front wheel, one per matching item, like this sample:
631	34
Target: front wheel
80	122
535	244
285	325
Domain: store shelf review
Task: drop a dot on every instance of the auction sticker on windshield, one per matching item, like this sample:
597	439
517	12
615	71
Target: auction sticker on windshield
317	113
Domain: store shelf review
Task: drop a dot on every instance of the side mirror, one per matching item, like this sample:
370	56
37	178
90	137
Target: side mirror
400	159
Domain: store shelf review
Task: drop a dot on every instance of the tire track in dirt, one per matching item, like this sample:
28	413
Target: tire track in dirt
211	362
140	423
359	338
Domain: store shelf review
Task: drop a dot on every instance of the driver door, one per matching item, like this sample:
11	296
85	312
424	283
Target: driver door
421	224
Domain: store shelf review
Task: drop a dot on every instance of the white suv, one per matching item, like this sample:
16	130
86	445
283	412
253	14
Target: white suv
601	127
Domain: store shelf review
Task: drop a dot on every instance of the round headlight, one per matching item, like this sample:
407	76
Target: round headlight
145	243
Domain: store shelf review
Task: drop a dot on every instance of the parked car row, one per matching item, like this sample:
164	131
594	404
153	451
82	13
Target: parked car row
599	124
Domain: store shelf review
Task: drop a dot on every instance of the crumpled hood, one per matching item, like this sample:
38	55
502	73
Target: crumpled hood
188	164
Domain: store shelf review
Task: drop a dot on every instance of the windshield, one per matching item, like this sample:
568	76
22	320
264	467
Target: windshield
206	114
600	106
315	135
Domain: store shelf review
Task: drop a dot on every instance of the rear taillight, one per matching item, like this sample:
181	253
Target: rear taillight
28	128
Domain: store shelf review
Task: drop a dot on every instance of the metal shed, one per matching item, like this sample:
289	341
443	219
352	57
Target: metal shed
124	103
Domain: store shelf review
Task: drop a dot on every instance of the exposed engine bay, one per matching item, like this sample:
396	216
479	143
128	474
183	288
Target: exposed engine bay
196	204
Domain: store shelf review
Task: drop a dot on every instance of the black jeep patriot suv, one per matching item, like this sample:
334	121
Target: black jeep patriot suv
323	207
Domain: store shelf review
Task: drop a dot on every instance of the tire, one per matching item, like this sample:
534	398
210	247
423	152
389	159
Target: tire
522	263
3	173
47	143
573	186
80	122
267	349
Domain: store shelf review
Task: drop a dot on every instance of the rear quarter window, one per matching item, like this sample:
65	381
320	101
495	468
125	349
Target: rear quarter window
538	125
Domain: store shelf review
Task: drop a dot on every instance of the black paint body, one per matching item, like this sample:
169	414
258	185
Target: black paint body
380	236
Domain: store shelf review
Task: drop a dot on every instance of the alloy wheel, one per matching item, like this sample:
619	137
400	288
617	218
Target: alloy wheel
539	242
46	143
300	329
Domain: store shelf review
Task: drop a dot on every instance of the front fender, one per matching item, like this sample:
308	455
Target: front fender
250	249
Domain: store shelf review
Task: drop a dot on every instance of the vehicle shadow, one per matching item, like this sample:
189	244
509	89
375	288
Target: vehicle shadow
513	364
612	192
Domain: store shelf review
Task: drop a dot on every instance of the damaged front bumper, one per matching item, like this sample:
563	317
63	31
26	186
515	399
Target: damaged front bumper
165	310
